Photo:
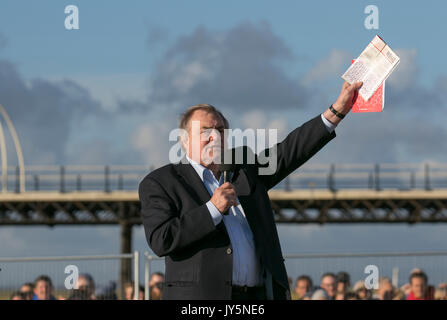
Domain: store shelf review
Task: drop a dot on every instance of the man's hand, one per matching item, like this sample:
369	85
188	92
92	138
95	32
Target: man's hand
344	102
346	98
224	197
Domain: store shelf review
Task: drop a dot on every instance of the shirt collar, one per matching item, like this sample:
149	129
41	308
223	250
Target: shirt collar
201	170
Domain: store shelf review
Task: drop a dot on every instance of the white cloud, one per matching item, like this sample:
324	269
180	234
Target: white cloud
405	73
189	75
328	68
151	141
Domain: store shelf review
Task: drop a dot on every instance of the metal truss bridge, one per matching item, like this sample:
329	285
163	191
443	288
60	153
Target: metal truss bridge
315	193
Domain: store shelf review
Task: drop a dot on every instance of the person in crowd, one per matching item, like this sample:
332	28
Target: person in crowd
43	288
328	283
320	294
129	291
419	287
361	291
156	277
107	292
441	292
27	289
385	290
17	295
156	291
343	282
80	294
87	285
351	296
340	295
398	294
303	285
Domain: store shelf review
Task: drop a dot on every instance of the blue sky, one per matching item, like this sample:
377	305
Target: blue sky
109	92
112	35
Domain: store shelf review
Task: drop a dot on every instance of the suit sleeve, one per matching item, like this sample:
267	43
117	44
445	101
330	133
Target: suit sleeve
298	147
166	229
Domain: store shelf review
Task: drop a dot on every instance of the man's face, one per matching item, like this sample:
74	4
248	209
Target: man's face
418	286
205	137
42	290
328	284
302	287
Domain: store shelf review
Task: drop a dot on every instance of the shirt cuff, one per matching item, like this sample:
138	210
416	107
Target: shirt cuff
215	214
329	126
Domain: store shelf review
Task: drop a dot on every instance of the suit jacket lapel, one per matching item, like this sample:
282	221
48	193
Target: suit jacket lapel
192	181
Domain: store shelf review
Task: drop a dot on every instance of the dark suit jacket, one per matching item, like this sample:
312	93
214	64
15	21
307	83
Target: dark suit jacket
179	226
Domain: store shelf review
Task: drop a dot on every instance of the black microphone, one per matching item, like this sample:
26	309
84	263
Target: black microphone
226	169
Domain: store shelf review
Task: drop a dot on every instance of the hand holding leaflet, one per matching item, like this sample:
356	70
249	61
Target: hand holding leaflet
372	67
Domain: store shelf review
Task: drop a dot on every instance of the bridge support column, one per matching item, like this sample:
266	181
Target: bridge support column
126	247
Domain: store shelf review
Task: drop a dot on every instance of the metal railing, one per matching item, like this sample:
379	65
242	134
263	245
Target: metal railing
108	178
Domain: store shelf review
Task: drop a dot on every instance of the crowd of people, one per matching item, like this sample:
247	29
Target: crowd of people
332	287
338	287
85	289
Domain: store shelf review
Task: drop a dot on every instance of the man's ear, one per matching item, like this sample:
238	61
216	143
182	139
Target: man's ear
184	140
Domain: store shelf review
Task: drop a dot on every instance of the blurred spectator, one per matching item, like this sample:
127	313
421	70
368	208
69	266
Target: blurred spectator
340	295
27	291
43	288
303	285
385	290
406	289
321	294
328	283
361	291
17	295
141	293
156	277
398	294
441	292
106	292
129	291
419	287
351	296
86	285
80	294
156	291
343	282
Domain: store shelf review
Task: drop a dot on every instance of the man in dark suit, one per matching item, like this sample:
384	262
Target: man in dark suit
220	239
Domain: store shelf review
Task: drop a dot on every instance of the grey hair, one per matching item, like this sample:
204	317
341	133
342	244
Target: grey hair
186	116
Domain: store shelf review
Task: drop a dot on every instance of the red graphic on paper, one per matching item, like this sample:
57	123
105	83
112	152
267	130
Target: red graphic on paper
374	104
